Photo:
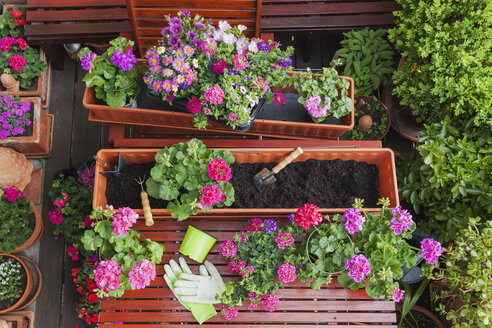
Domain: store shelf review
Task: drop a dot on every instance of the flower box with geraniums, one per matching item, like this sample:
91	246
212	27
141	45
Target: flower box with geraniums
24	126
21	224
127	260
113	75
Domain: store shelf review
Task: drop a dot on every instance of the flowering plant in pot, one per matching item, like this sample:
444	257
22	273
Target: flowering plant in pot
72	206
11	276
225	74
89	303
14	116
12	22
114	74
15	212
264	256
323	95
21	61
127	260
191	177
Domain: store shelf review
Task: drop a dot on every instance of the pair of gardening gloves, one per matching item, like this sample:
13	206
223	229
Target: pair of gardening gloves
197	293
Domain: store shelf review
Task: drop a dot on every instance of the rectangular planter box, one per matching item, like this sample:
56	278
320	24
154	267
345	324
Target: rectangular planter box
39	144
383	158
171	119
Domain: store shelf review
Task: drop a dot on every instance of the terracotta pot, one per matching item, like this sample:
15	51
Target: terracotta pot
385	110
429	314
173	119
37	282
29	284
37	231
382	158
451	303
40	142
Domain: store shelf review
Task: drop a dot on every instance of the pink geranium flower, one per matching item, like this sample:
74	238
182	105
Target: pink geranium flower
353	219
211	195
286	273
228	248
106	275
142	274
358	267
124	220
308	215
218	170
214	94
431	250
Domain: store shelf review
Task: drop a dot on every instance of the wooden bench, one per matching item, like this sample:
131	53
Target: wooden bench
53	22
147	16
299	306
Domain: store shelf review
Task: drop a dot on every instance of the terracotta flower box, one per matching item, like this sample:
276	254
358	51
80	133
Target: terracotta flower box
165	118
39	143
382	158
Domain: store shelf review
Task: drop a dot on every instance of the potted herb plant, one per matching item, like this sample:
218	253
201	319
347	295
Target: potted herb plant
24	126
20	221
127	260
371	120
114	74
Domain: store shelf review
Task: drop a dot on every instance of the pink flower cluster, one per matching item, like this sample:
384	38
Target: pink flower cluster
219	66
398	294
284	239
72	252
236	265
12	193
7	42
218	170
255	224
240	62
358	267
308	215
142	274
89	223
209	46
228	248
286	273
106	275
124	220
261	84
229	312
431	250
17	62
214	94
278	98
353	219
270	302
194	105
246	271
402	220
211	195
312	104
55	216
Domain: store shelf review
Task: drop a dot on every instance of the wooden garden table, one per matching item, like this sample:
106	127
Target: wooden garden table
299	306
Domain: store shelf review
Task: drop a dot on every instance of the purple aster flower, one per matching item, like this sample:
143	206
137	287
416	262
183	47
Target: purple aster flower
191	35
269	226
155	69
166	32
175	21
157	86
285	61
174	42
431	250
177	29
353	220
358	267
263	46
199	25
196	43
86	61
185	13
19	121
167	60
153	61
188	51
167	72
167	85
179	64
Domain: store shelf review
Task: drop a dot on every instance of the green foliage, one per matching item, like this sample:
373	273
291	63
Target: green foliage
366	57
410	300
14	221
10	277
88	305
451	180
180	173
9	27
33	67
115	86
127	249
375	132
324	251
448	47
466	273
329	87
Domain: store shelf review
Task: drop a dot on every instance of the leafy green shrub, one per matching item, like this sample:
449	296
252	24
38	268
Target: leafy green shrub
14	219
451	180
366	57
448	48
466	273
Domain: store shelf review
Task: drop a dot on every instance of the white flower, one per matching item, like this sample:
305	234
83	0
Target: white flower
253	47
195	63
241	45
218	35
175	87
242	28
229	38
243	89
224	25
161	50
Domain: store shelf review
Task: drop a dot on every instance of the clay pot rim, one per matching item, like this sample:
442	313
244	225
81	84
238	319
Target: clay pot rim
37	231
28	283
382	106
40	282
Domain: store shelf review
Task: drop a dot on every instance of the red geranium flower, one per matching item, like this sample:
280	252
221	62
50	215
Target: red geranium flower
308	215
22	43
23	21
79	289
93	298
16	13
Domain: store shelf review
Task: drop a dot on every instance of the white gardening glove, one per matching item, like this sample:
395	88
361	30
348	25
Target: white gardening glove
203	288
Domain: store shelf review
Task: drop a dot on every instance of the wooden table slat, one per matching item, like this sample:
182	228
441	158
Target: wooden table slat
77	15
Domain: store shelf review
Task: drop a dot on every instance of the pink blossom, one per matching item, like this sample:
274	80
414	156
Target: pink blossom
106	275
211	195
358	266
398	295
228	248
17	62
308	215
270	302
59	203
251	296
209	46
55	216
214	94
255	224
431	250
240	62
218	170
89	223
286	273
261	84
284	239
232	117
12	193
229	312
236	265
219	66
142	274
72	252
353	220
194	105
402	220
124	220
278	98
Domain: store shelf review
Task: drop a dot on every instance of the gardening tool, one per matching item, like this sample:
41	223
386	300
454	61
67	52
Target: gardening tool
265	176
145	203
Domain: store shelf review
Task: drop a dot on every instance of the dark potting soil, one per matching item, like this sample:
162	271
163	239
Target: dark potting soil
416	319
123	191
328	184
8	303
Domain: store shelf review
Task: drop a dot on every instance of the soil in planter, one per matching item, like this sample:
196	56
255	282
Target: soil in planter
379	125
415	319
8	303
328	184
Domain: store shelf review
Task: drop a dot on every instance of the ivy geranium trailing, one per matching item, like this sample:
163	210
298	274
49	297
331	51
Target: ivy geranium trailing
89	303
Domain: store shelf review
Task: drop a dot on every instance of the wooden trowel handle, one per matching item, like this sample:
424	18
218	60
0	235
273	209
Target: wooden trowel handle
292	156
146	209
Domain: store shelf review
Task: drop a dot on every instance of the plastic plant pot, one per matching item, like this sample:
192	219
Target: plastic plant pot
196	244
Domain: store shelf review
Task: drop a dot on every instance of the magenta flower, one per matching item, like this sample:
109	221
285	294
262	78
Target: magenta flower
353	220
72	252
211	195
86	61
270	302
236	265
232	117
219	66
229	312
284	239
358	267
157	85
278	98
246	271
308	215
12	193
261	84
397	295
228	248
218	170
167	60
286	273
55	216
188	51
17	62
89	223
154	60
431	250
179	64
194	105
106	275
402	220
214	94
142	274
124	220
255	224
240	62
167	85
209	46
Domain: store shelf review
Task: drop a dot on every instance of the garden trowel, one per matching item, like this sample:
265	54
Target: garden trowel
265	176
